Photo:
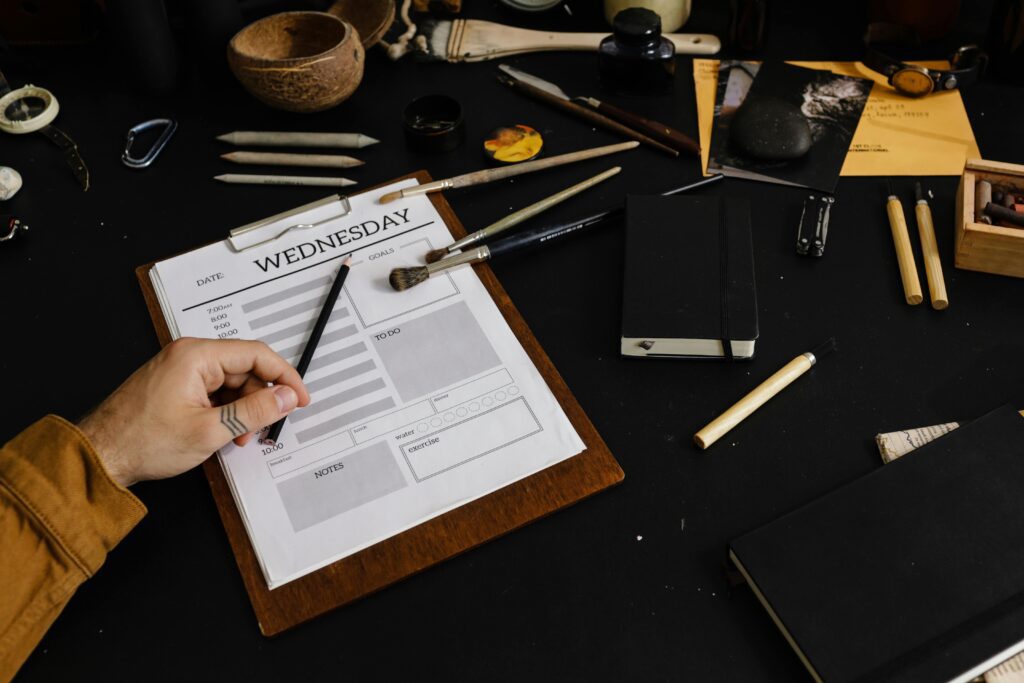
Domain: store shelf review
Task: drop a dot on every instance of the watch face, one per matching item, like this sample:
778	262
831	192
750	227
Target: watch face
912	82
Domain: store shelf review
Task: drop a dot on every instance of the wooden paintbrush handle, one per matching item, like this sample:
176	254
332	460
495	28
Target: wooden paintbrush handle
473	40
491	174
659	131
580	111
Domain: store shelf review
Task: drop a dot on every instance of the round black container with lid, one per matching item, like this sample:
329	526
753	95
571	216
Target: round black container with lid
433	123
636	59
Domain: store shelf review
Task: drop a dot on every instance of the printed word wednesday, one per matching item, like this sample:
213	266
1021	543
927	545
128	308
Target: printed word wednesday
334	240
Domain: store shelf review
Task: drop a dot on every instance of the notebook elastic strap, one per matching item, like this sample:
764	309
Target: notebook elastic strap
723	284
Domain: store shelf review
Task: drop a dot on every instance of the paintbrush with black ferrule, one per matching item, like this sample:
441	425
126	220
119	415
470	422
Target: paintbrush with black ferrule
404	278
518	217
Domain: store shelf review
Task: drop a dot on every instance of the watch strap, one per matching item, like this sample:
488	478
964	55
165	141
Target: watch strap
71	155
966	63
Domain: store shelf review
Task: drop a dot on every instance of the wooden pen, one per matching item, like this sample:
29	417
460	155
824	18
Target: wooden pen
739	411
285	159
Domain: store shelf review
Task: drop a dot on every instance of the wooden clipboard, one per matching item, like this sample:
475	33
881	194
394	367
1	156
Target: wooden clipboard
440	538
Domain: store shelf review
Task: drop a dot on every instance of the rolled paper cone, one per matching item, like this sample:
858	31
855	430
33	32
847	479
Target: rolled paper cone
297	139
279	159
893	445
311	181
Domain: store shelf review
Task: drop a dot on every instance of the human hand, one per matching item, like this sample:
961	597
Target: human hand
192	398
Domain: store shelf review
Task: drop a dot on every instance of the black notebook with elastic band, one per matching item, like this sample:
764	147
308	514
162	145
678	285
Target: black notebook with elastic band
914	572
689	287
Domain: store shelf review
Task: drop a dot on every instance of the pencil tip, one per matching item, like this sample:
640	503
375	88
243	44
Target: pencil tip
347	261
389	197
918	194
226	137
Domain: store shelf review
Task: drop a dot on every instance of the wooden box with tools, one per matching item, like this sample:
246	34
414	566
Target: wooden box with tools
984	246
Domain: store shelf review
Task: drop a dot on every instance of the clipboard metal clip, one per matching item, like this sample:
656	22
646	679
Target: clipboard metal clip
240	237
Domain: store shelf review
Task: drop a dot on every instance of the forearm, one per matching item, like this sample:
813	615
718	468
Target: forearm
60	514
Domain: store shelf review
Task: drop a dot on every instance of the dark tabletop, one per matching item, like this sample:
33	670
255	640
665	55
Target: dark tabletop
629	585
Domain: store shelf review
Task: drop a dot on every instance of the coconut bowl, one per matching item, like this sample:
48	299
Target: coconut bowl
298	61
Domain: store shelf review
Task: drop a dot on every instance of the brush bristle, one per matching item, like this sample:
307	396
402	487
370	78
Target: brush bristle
435	34
435	255
389	197
404	278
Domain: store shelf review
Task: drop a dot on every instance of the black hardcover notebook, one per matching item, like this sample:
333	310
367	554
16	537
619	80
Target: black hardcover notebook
914	572
689	278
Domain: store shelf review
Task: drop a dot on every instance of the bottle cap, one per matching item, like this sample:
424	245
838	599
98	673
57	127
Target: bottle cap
637	25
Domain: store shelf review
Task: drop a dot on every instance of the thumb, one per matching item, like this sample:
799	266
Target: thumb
257	410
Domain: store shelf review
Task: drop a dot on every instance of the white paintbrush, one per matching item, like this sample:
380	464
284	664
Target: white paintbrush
473	40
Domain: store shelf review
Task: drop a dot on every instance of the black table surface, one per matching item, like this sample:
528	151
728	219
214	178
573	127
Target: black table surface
630	584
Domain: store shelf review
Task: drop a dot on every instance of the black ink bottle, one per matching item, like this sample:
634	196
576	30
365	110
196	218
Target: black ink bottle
636	59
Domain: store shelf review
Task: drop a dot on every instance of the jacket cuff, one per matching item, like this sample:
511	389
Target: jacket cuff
55	473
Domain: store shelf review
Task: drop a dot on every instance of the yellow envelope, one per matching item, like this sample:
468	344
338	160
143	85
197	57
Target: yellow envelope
896	135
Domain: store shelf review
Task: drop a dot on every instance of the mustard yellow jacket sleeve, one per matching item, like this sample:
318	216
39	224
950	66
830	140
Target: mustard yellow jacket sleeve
60	514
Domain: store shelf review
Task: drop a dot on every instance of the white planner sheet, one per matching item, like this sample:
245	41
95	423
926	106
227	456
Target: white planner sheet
423	400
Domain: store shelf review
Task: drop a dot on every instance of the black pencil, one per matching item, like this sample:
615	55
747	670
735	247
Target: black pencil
314	338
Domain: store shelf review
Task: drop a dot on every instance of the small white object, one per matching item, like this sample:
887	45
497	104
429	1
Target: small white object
10	182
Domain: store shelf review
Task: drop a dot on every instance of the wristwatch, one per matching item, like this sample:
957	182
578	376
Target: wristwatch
966	64
32	109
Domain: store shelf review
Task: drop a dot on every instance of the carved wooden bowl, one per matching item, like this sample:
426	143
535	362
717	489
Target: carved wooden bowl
298	61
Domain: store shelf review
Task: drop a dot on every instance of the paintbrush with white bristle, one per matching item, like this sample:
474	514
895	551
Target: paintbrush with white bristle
473	40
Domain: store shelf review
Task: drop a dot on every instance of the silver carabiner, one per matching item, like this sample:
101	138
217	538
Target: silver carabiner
135	162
